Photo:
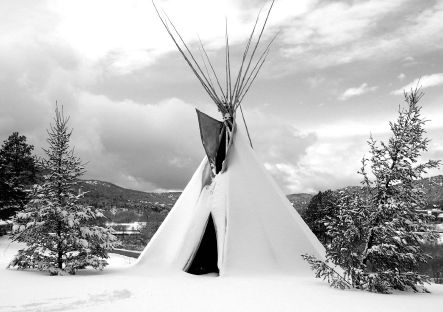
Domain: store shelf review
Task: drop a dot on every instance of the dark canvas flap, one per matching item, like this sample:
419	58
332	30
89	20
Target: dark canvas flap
210	134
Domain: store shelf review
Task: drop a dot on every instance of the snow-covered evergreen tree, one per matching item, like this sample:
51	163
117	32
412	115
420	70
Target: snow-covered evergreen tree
321	209
54	224
18	171
378	232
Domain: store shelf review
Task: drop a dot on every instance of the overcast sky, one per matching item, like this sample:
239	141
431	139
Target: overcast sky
335	73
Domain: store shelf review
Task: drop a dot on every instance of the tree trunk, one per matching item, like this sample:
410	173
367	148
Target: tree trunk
59	247
369	245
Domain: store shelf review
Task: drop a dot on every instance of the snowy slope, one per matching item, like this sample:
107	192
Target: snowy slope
121	288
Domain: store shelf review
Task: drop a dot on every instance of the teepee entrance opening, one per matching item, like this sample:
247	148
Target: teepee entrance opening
205	259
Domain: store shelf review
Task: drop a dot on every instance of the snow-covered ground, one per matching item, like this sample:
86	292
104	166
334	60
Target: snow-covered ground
122	287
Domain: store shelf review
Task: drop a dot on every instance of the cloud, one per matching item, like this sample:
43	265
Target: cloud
325	164
357	91
339	32
425	82
142	146
333	164
279	145
157	146
135	145
329	26
143	133
316	81
314	33
131	35
409	61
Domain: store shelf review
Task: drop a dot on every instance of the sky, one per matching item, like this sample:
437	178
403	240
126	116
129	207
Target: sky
335	74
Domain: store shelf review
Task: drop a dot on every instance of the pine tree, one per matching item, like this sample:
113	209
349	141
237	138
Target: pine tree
18	171
378	232
321	209
54	224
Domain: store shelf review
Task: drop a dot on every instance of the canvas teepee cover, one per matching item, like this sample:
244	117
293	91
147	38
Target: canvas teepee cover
232	218
239	223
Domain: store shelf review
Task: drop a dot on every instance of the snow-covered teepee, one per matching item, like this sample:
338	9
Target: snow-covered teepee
232	218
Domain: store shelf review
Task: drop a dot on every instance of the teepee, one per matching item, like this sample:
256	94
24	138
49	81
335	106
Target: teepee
232	218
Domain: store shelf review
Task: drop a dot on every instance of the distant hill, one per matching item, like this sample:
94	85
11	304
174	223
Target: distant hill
109	196
113	198
300	201
432	186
